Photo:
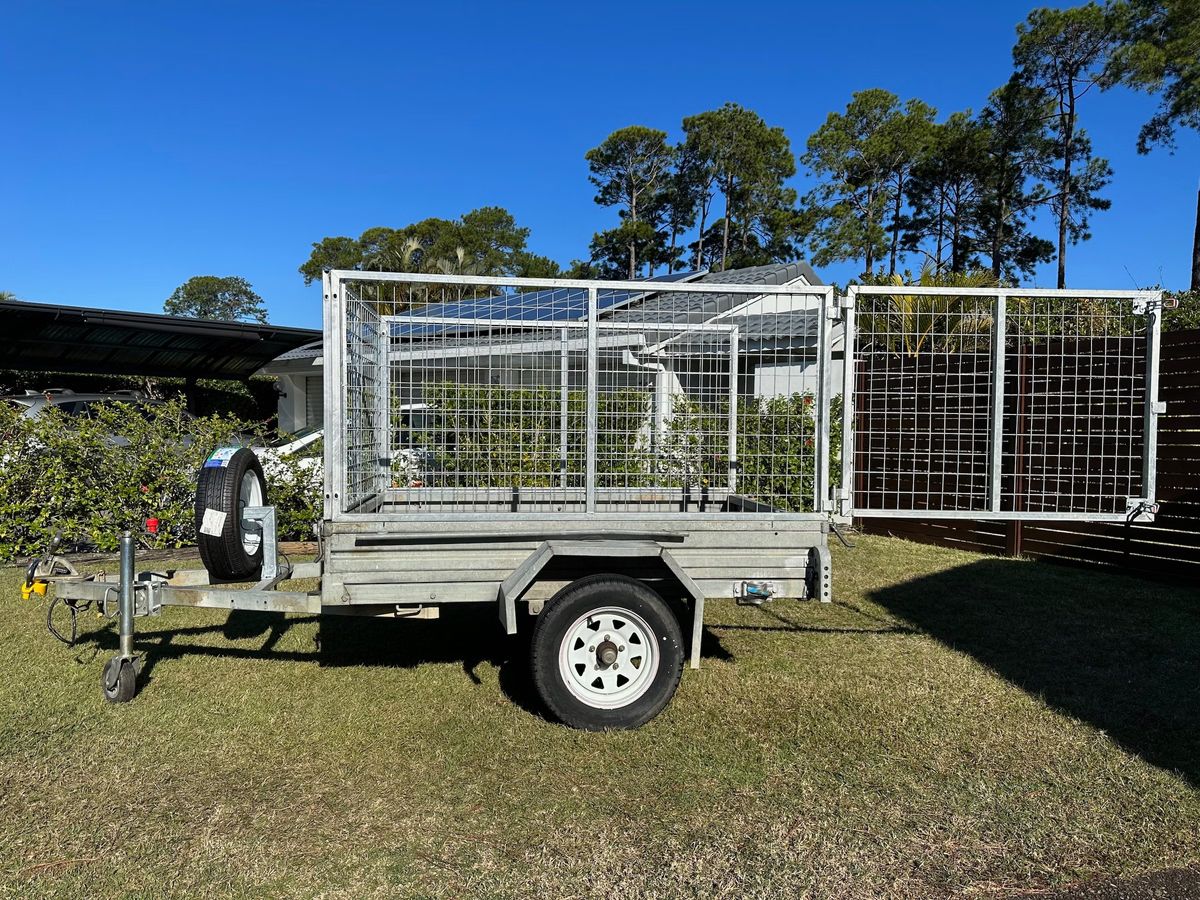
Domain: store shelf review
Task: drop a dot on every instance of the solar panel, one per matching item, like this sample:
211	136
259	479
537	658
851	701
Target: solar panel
553	305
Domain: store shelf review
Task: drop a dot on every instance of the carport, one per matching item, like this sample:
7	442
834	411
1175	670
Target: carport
42	337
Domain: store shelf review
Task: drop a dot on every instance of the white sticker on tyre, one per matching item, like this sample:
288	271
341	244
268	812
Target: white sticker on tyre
213	523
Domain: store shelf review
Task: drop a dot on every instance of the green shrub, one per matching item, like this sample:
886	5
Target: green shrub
495	436
94	477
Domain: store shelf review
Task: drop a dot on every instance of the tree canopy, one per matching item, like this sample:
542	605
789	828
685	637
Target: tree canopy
487	241
858	156
748	162
631	169
228	298
1062	53
1157	50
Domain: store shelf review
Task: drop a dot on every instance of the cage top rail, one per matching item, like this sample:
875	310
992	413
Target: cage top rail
1048	293
688	287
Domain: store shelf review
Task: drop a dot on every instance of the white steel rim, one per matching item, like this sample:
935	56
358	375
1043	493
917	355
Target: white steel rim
251	494
608	657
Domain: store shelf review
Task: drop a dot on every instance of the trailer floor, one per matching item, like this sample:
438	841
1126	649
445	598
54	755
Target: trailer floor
952	724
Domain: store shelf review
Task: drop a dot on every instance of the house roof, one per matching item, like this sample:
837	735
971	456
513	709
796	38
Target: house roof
43	337
686	307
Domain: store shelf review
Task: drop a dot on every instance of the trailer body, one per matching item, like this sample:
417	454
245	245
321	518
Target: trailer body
593	457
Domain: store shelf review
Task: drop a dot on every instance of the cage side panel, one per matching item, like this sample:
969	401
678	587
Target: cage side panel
702	399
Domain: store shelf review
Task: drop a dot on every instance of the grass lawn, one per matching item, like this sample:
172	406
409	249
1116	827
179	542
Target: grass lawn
953	724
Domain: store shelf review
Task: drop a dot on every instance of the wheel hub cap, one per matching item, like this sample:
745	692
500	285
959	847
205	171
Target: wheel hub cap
608	657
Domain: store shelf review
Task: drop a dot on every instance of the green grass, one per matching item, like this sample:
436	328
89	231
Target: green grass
953	724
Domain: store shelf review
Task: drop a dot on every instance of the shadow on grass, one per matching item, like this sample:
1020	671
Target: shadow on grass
468	635
778	621
1092	645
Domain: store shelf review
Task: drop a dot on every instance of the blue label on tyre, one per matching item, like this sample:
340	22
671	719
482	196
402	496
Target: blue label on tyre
220	458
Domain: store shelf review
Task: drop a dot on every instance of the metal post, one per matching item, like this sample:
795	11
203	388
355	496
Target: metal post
331	385
563	404
733	400
846	507
822	445
1015	533
593	395
125	608
1150	415
997	403
383	413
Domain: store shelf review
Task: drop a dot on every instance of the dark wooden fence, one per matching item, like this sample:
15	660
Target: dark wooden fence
1169	546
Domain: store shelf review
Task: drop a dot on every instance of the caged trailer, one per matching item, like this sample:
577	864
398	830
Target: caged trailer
595	459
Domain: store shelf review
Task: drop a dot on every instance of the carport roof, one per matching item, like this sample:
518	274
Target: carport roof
43	337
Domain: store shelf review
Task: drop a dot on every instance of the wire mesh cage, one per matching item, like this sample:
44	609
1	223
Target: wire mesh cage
688	394
1004	403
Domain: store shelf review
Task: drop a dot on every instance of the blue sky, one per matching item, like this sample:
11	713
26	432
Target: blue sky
148	142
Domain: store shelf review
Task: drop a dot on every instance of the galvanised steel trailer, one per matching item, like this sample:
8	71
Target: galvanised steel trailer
595	459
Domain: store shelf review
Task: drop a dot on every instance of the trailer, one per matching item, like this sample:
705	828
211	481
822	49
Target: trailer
596	459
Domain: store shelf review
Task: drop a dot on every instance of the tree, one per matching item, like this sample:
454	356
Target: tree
610	250
697	171
1016	149
680	201
748	161
630	169
531	265
1062	52
1158	51
490	241
915	324
904	142
848	206
8	297
229	299
944	190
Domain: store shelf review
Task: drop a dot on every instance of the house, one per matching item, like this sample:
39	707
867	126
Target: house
672	343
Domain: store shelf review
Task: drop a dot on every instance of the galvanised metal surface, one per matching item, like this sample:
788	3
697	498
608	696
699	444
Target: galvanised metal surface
421	559
510	397
1000	403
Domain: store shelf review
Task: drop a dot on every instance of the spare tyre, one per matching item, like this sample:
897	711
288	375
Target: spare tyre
230	480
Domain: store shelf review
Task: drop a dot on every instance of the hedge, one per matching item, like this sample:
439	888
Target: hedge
496	436
74	475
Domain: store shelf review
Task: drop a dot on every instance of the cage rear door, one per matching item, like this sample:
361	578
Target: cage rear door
999	404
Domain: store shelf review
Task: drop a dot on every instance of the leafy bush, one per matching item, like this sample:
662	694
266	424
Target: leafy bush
1186	314
494	436
94	477
295	487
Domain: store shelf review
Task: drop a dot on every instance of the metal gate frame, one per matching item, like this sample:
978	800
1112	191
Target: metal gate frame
1142	508
335	383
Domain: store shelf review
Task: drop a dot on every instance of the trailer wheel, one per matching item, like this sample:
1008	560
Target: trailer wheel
230	480
119	680
607	653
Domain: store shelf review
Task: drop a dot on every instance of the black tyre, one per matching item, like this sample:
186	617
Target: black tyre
118	681
230	481
607	653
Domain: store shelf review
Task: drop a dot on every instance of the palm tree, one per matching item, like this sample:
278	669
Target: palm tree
912	324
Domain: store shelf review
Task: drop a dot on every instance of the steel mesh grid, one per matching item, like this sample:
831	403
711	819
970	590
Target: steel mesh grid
924	376
1074	405
701	401
1061	433
364	396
